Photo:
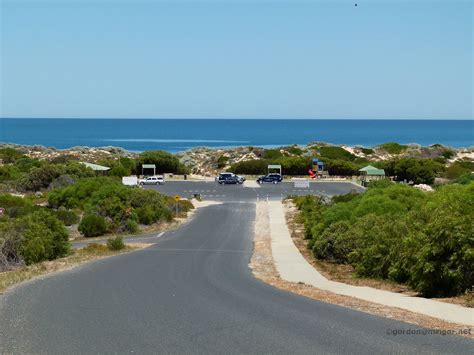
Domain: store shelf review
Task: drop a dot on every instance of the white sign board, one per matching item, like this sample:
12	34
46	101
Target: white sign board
302	184
130	180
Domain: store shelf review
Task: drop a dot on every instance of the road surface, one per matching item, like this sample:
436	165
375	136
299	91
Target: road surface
192	292
211	190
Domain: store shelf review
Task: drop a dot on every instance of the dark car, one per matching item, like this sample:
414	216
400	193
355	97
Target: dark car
272	178
229	178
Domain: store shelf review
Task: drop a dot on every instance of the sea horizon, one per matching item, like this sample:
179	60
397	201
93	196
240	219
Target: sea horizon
174	135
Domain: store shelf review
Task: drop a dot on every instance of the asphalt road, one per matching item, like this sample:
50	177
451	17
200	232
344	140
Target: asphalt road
192	293
213	191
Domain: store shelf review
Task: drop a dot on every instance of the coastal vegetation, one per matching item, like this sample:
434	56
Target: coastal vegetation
45	199
48	194
396	232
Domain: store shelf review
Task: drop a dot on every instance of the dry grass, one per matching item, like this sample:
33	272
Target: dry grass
263	267
89	253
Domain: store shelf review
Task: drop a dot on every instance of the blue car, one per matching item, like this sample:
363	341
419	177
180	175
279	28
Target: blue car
273	178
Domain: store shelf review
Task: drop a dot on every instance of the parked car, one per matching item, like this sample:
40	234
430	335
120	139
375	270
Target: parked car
229	178
271	178
152	180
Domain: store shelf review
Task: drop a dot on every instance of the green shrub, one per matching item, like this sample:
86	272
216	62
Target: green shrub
294	150
447	153
115	243
420	171
465	179
16	206
36	175
10	155
108	198
393	147
443	263
92	225
367	151
336	153
272	154
25	164
67	217
9	173
33	238
164	161
252	167
342	167
459	168
222	161
131	226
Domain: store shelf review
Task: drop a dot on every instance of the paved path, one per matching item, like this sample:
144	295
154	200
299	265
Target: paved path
292	266
192	293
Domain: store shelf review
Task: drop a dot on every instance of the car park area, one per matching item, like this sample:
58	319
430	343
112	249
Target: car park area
209	190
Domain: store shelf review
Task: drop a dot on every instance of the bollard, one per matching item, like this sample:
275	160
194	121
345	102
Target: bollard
258	198
267	197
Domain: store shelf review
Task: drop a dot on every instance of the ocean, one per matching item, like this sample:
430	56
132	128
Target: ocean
175	135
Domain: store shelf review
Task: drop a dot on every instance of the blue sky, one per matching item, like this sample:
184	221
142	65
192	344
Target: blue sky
237	59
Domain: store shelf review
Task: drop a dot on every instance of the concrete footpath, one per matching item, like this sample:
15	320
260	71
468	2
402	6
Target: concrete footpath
293	267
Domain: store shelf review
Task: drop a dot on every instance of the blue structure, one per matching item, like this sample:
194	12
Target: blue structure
318	166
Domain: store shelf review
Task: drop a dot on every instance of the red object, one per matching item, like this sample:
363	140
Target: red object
312	174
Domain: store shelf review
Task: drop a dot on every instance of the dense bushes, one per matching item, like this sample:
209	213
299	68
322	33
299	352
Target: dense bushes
252	167
420	171
39	177
32	238
122	167
16	206
164	161
118	207
399	233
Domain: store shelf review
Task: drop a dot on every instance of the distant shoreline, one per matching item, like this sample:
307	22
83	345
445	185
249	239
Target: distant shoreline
178	135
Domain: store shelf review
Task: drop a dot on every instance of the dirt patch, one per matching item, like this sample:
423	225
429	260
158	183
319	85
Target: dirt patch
263	267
